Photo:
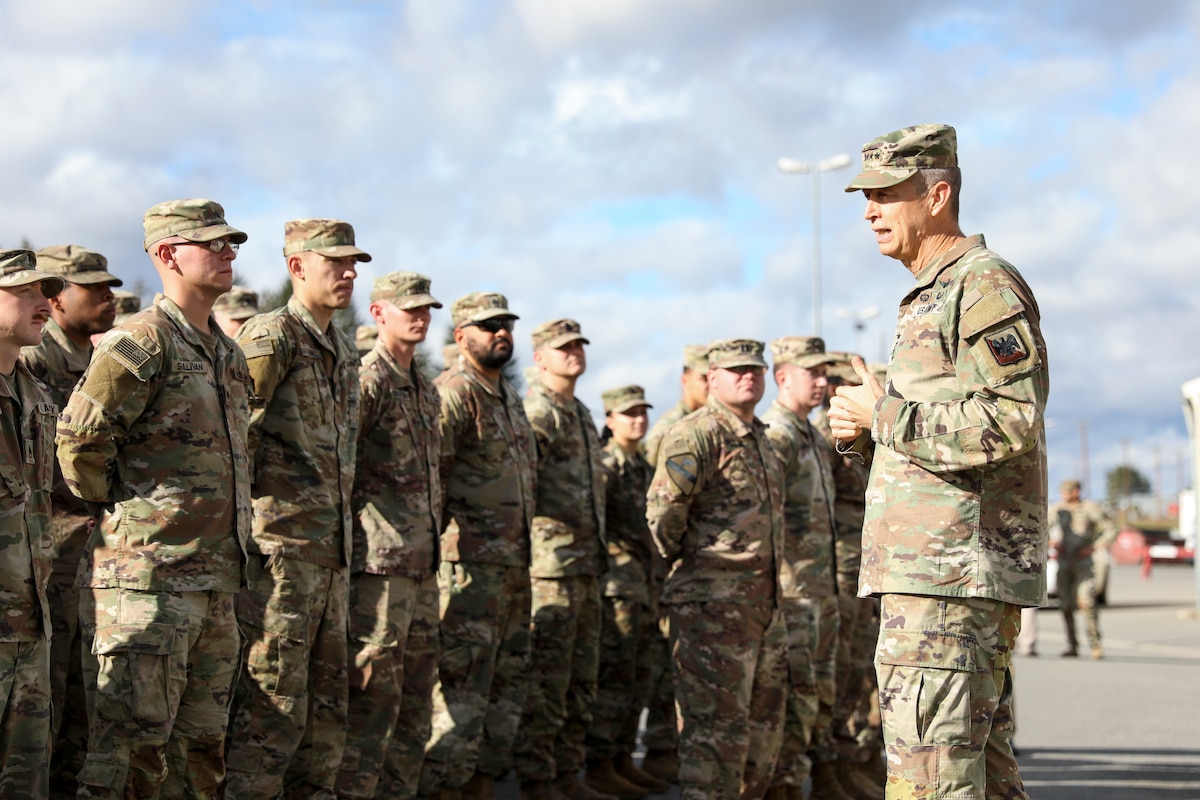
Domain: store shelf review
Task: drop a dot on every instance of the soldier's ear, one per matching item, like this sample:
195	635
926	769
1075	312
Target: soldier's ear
295	266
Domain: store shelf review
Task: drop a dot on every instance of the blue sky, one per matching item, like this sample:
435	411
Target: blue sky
614	161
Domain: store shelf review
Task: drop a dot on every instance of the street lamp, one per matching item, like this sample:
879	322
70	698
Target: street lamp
859	318
791	166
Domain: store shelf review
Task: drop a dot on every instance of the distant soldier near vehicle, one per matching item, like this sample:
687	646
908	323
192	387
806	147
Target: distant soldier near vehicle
954	538
1078	529
83	309
567	557
808	582
233	308
630	587
156	438
27	421
488	474
715	510
289	710
393	619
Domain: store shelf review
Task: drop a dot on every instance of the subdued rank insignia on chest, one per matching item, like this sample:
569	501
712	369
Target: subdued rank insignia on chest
682	469
258	347
1007	346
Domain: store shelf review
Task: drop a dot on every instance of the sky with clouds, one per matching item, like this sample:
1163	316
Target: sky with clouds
614	161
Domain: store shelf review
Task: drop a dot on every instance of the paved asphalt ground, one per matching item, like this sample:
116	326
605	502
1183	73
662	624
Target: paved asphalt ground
1125	728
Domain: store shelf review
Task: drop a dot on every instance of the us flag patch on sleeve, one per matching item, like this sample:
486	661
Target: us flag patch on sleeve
1007	346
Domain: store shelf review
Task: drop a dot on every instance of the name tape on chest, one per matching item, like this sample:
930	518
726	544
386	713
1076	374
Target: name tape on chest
190	366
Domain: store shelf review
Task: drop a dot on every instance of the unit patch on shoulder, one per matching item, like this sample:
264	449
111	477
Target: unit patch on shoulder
682	469
129	354
256	348
1007	346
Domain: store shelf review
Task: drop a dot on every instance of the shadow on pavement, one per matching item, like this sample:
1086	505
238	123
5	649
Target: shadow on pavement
1110	774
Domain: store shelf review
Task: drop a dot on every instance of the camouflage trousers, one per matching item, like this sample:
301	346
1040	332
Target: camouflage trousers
564	664
24	719
288	727
661	731
823	624
731	675
856	726
69	725
627	629
482	672
393	639
1077	590
158	671
945	691
793	765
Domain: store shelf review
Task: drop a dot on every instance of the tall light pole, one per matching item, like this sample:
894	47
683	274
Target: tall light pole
791	166
859	319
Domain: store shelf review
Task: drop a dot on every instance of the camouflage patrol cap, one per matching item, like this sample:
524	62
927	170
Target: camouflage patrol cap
1070	484
75	264
196	220
695	357
331	238
557	333
238	303
128	304
618	400
895	157
803	351
478	306
365	337
406	290
449	355
730	353
19	267
841	369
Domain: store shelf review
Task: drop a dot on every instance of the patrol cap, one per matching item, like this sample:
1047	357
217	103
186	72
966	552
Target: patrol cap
695	357
803	351
624	398
127	303
406	290
75	264
478	306
331	238
841	369
19	267
365	337
238	303
1070	484
556	333
730	353
895	157
196	220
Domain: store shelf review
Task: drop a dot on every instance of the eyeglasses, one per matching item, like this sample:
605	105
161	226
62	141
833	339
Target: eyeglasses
216	245
494	325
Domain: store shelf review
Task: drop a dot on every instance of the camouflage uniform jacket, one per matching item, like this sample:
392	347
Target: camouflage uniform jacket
849	501
59	364
157	428
808	564
956	500
653	440
397	488
633	560
303	430
1080	527
27	419
715	509
488	469
568	525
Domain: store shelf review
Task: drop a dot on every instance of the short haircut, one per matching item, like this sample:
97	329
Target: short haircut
928	177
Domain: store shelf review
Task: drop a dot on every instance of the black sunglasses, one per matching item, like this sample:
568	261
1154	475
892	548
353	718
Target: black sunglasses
494	325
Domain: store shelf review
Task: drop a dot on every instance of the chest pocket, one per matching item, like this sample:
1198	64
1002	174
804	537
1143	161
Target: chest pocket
312	386
742	474
45	420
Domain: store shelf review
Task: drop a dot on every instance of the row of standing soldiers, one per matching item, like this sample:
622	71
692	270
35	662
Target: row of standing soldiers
272	570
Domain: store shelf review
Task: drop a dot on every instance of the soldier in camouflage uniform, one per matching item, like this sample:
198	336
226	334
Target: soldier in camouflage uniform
233	308
661	736
567	557
163	390
397	518
289	711
27	420
85	308
715	510
1079	528
630	607
809	589
856	729
954	538
488	470
127	304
